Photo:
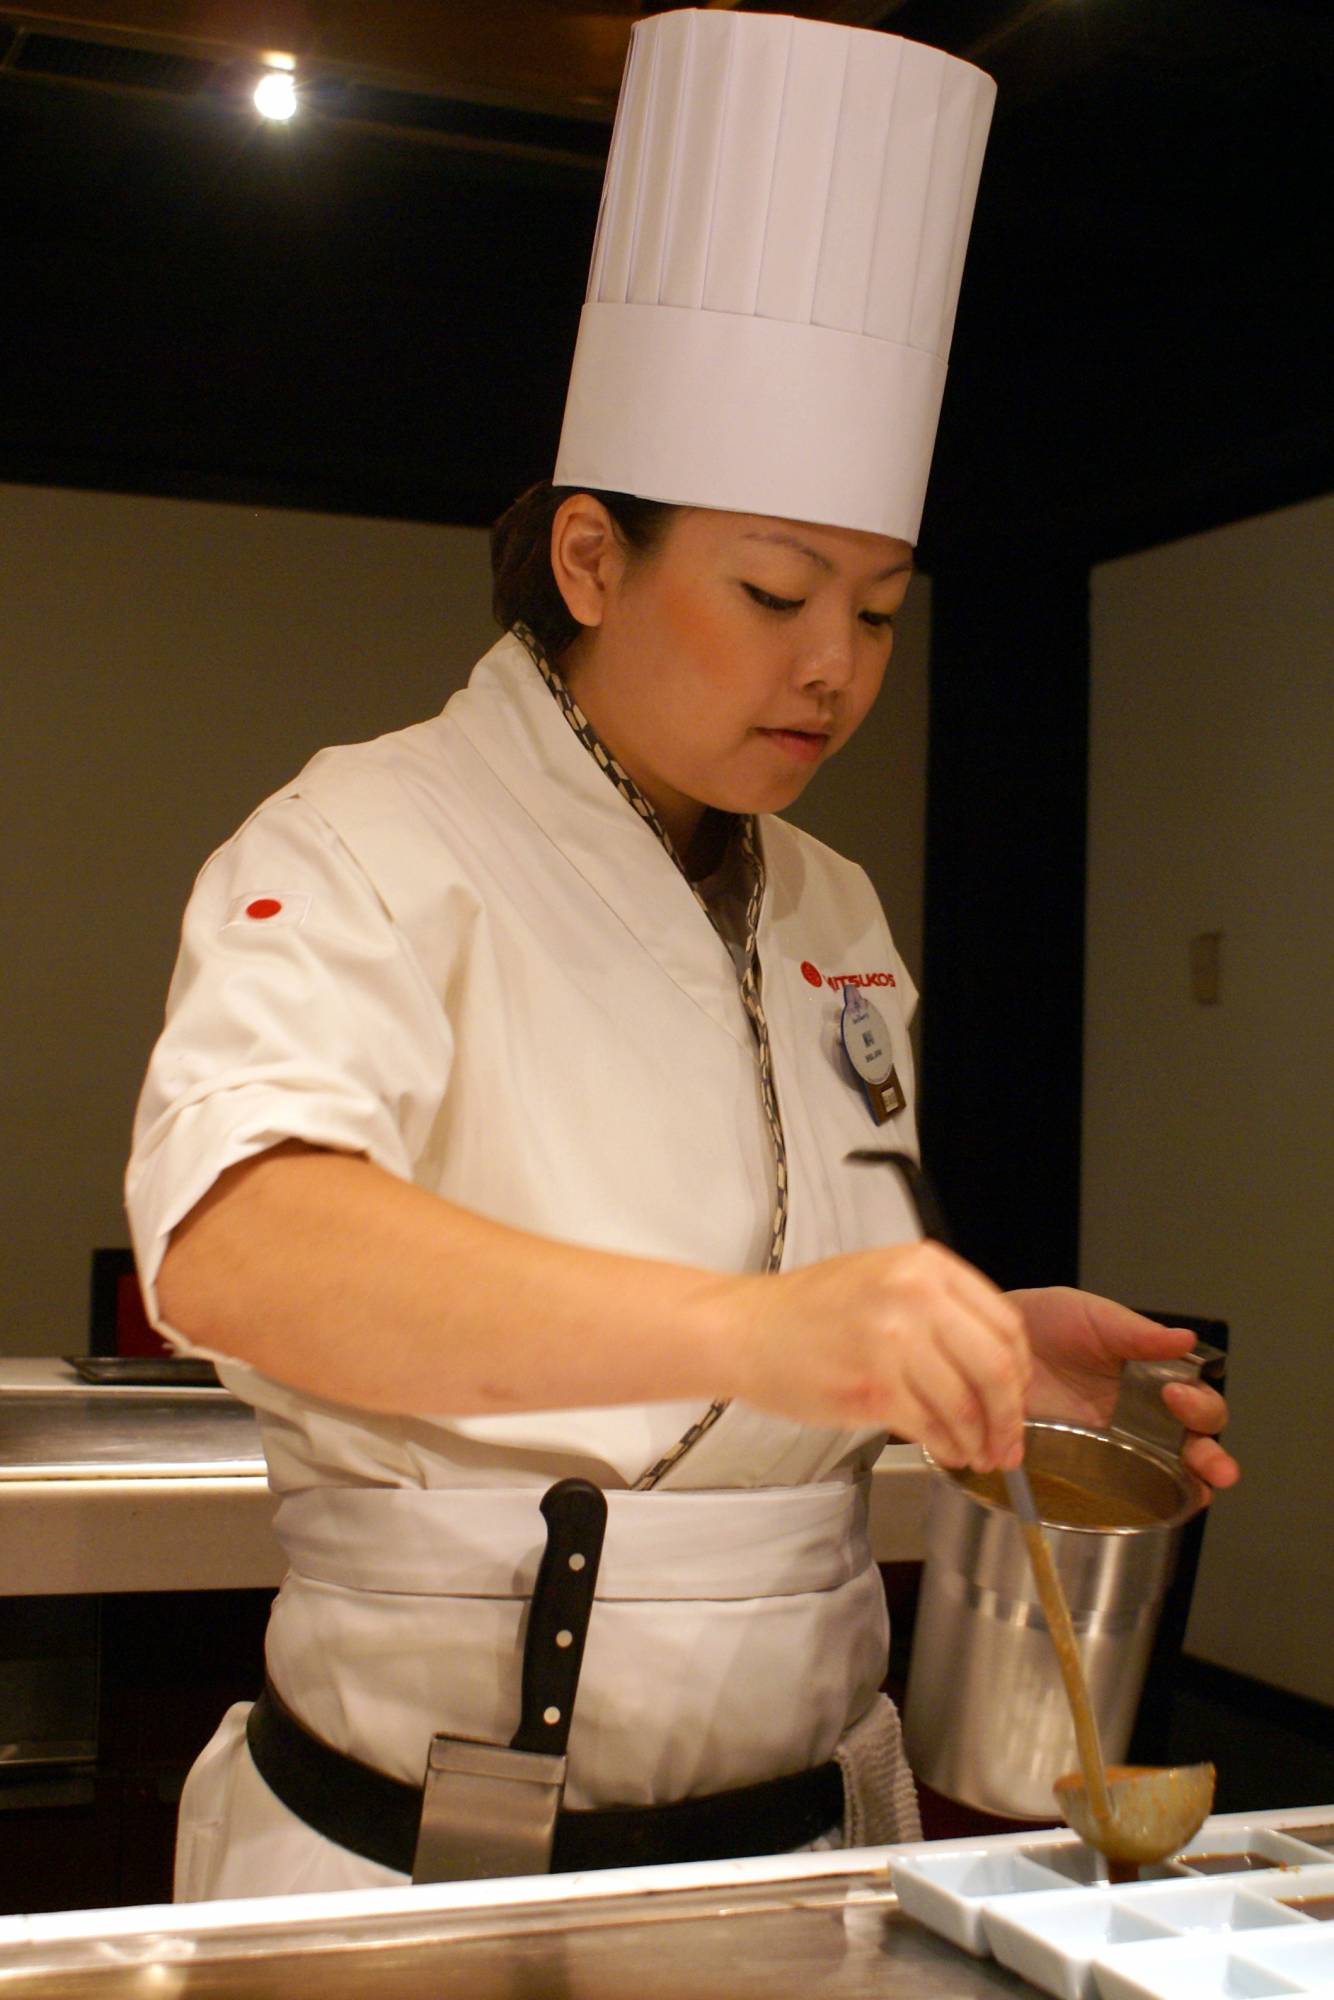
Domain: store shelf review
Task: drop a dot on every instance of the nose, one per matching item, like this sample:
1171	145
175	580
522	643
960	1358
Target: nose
828	658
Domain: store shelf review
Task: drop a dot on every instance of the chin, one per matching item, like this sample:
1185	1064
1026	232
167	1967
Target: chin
787	794
774	801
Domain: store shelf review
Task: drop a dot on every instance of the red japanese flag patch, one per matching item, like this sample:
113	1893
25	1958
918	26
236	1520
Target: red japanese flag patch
263	909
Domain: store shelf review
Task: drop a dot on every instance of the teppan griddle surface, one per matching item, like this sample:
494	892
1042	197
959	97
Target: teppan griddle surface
839	1936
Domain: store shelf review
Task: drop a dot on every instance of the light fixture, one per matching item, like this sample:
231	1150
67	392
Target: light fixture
275	94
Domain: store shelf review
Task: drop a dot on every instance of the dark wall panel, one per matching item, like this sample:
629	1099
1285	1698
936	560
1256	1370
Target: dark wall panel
1003	947
315	317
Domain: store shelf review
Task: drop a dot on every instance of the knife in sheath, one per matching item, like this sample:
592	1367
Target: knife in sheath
490	1808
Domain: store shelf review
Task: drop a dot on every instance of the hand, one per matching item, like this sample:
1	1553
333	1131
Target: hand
1079	1343
909	1337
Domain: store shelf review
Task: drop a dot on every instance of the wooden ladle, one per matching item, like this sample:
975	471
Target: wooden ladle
1131	1813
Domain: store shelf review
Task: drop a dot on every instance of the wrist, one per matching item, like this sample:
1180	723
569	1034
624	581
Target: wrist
720	1329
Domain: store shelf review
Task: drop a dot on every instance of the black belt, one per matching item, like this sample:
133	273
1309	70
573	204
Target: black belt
377	1816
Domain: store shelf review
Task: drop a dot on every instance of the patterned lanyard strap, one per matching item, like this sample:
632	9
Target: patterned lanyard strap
749	987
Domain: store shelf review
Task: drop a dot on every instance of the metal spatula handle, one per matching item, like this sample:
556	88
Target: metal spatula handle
1021	1496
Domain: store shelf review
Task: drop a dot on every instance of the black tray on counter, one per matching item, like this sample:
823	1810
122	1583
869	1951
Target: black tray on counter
144	1371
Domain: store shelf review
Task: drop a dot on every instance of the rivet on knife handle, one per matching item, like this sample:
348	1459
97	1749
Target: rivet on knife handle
576	1516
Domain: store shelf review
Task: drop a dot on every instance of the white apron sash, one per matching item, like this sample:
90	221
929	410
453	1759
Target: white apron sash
734	1636
487	1542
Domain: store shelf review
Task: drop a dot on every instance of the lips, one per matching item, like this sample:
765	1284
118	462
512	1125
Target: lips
804	744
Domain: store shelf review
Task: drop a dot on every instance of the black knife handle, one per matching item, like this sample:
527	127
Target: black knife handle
576	1516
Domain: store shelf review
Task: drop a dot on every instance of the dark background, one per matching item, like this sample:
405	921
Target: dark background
375	313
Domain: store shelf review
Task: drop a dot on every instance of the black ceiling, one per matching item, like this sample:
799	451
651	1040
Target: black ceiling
339	316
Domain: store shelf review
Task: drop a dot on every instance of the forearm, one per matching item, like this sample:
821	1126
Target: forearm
330	1275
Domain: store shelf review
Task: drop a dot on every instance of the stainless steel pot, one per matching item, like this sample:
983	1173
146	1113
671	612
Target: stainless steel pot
985	1718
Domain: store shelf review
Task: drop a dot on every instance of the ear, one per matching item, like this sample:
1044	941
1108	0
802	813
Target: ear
587	559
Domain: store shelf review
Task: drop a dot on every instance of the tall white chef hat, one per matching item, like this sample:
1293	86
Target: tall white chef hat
776	270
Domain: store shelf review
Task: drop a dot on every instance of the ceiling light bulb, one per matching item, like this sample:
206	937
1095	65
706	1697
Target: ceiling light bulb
275	94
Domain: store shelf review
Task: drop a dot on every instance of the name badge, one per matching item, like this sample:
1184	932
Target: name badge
866	1040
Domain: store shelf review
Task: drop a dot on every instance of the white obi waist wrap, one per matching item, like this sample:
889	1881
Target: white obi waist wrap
735	1636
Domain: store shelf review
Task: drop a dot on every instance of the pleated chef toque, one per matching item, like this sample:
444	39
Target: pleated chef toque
776	270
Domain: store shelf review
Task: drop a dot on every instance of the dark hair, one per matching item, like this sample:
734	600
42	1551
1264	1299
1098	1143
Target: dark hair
524	589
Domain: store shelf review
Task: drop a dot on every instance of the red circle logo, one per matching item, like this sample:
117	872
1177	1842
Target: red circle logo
811	973
263	906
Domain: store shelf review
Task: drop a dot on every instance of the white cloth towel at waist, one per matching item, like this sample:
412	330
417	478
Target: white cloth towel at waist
879	1796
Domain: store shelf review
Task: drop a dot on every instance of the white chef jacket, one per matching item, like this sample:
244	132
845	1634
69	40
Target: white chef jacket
459	951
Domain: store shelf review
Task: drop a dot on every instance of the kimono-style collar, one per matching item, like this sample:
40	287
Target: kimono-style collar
542	749
743	825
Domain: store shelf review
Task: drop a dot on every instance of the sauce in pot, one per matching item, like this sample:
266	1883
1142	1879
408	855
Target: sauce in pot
1062	1502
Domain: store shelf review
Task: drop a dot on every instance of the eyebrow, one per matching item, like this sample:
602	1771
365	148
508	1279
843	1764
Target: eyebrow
822	561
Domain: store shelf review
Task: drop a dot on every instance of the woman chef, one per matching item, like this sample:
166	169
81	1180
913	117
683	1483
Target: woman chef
505	1124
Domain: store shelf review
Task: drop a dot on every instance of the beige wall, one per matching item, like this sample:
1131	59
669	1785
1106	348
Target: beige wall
1208	1179
163	665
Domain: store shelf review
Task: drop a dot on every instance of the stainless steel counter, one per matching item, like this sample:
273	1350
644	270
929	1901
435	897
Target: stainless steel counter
127	1434
117	1489
128	1489
739	1936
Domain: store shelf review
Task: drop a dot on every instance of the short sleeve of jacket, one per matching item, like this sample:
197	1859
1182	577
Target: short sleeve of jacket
297	1010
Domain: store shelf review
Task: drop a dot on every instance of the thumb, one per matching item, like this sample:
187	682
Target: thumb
1134	1337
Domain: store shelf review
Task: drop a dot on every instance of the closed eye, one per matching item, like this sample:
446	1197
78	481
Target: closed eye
879	621
769	601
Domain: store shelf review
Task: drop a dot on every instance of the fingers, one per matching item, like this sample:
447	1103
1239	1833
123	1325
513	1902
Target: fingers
960	1434
1143	1339
953	1421
1207	1459
969	1369
1204	1412
1197	1406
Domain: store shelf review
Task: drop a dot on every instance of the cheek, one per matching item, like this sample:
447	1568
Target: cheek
862	696
704	655
697	630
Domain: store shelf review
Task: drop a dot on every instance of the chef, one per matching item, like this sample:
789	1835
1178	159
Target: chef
529	1094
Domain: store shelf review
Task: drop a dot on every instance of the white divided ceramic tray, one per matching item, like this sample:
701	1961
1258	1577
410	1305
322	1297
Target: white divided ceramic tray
1202	1929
